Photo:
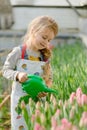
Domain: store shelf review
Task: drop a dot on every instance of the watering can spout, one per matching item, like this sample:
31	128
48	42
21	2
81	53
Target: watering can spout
49	90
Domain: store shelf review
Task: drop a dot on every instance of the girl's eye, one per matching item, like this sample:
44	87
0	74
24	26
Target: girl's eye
44	37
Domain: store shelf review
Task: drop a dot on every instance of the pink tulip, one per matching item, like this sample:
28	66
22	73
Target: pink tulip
83	120
79	92
33	118
38	127
57	113
78	99
53	122
66	103
38	105
83	99
66	124
51	98
84	115
74	128
47	106
55	103
60	103
72	97
81	123
59	128
37	113
72	112
64	121
42	118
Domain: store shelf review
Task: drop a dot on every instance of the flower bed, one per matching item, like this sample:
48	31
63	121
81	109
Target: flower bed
68	109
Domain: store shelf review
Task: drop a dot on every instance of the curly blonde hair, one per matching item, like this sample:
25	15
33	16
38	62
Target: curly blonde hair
38	24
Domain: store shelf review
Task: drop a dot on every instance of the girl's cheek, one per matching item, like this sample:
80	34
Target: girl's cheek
38	38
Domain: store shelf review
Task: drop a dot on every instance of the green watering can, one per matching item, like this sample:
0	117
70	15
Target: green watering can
33	86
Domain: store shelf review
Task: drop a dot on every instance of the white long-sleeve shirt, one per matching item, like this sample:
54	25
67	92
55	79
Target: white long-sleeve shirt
9	69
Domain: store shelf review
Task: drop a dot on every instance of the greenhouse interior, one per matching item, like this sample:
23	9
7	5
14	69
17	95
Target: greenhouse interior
64	106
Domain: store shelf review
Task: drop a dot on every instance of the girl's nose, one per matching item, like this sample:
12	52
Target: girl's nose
47	41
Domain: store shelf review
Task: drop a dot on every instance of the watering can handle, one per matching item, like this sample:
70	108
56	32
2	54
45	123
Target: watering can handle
34	76
29	76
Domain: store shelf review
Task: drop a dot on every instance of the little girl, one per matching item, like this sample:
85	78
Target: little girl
28	59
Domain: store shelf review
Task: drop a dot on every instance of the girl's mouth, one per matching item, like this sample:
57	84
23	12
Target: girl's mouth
42	44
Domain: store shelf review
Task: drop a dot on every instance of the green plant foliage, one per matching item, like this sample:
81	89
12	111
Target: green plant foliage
69	64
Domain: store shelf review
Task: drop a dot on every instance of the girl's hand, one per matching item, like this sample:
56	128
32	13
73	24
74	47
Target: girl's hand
21	77
42	94
49	83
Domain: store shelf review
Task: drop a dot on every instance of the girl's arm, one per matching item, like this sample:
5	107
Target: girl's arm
9	69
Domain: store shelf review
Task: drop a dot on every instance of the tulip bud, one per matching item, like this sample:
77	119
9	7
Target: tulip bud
60	103
72	112
54	103
30	102
38	105
51	98
47	106
43	119
22	104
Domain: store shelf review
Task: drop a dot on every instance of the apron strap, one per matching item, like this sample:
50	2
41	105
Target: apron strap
23	51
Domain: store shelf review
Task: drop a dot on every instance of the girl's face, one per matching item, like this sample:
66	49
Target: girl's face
41	39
